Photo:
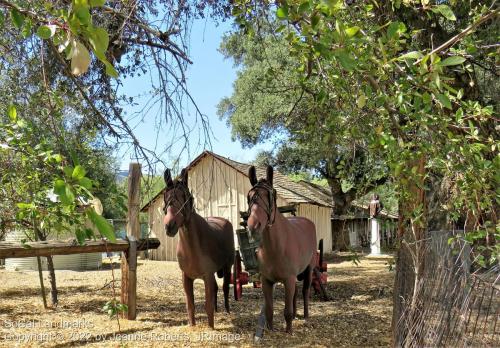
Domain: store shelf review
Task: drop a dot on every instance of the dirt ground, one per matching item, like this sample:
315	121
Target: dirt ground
358	314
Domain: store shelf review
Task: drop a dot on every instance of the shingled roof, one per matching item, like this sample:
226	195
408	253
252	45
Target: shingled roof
293	192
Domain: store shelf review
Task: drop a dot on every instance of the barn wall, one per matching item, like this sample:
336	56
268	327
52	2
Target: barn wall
320	216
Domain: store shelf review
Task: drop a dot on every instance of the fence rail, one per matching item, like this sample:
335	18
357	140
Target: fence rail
48	248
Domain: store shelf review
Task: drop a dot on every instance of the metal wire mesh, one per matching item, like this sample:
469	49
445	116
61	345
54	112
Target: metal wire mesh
455	304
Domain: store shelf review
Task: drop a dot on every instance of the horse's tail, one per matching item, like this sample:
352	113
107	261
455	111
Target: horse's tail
320	248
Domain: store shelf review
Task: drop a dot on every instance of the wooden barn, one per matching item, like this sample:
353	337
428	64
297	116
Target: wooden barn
220	186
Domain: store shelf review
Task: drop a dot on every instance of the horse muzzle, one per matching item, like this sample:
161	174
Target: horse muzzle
254	232
171	229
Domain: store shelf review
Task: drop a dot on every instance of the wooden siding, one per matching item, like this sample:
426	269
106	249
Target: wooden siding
320	216
220	190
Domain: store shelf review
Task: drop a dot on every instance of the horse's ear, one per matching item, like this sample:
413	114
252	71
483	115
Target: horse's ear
269	175
184	176
167	176
252	175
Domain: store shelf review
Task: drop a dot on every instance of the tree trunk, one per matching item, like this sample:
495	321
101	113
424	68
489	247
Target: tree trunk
53	286
411	257
50	267
40	276
340	235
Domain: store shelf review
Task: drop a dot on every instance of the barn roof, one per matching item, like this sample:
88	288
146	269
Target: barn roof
293	192
357	204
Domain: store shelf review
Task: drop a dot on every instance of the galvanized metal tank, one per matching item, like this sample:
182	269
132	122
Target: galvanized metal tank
76	262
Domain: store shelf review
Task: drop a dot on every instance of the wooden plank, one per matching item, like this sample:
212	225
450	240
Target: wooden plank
129	259
134	187
129	280
10	250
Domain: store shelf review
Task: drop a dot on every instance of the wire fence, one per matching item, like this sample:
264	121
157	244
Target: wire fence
455	303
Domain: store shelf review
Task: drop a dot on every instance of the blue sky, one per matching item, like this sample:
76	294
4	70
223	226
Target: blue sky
209	79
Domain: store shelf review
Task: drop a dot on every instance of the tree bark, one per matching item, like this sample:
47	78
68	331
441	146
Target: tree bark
50	267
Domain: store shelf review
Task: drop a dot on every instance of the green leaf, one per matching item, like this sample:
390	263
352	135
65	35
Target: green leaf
102	225
411	55
62	190
110	69
26	31
70	196
83	15
17	18
68	171
444	100
361	101
97	3
352	31
80	236
346	60
46	31
314	21
445	11
78	173
99	40
86	183
392	30
25	205
12	113
455	60
282	12
2	18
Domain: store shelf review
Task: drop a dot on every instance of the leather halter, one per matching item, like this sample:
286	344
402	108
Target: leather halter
188	200
271	200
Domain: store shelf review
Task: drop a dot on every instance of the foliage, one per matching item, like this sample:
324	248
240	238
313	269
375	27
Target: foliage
271	99
113	308
41	191
90	48
414	79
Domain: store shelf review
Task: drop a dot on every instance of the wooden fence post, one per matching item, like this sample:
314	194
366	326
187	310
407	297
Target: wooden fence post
129	258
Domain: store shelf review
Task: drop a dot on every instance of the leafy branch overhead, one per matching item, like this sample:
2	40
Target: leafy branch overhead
49	195
412	85
95	45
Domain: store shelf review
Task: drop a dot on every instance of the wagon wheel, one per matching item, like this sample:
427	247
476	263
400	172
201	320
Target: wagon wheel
237	287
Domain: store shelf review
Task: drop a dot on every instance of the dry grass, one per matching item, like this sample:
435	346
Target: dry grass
359	313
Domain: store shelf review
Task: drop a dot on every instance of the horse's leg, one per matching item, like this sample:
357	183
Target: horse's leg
267	289
216	289
295	302
306	289
188	290
225	286
289	294
209	298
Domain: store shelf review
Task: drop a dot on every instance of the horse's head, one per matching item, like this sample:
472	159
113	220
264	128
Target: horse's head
178	202
261	202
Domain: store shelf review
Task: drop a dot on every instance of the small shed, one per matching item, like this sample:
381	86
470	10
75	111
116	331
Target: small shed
356	224
220	185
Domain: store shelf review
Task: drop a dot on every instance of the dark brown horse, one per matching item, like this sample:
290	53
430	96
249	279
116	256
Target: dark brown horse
287	248
206	246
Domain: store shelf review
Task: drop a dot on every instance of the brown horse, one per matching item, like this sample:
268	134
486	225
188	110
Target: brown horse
287	248
206	246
